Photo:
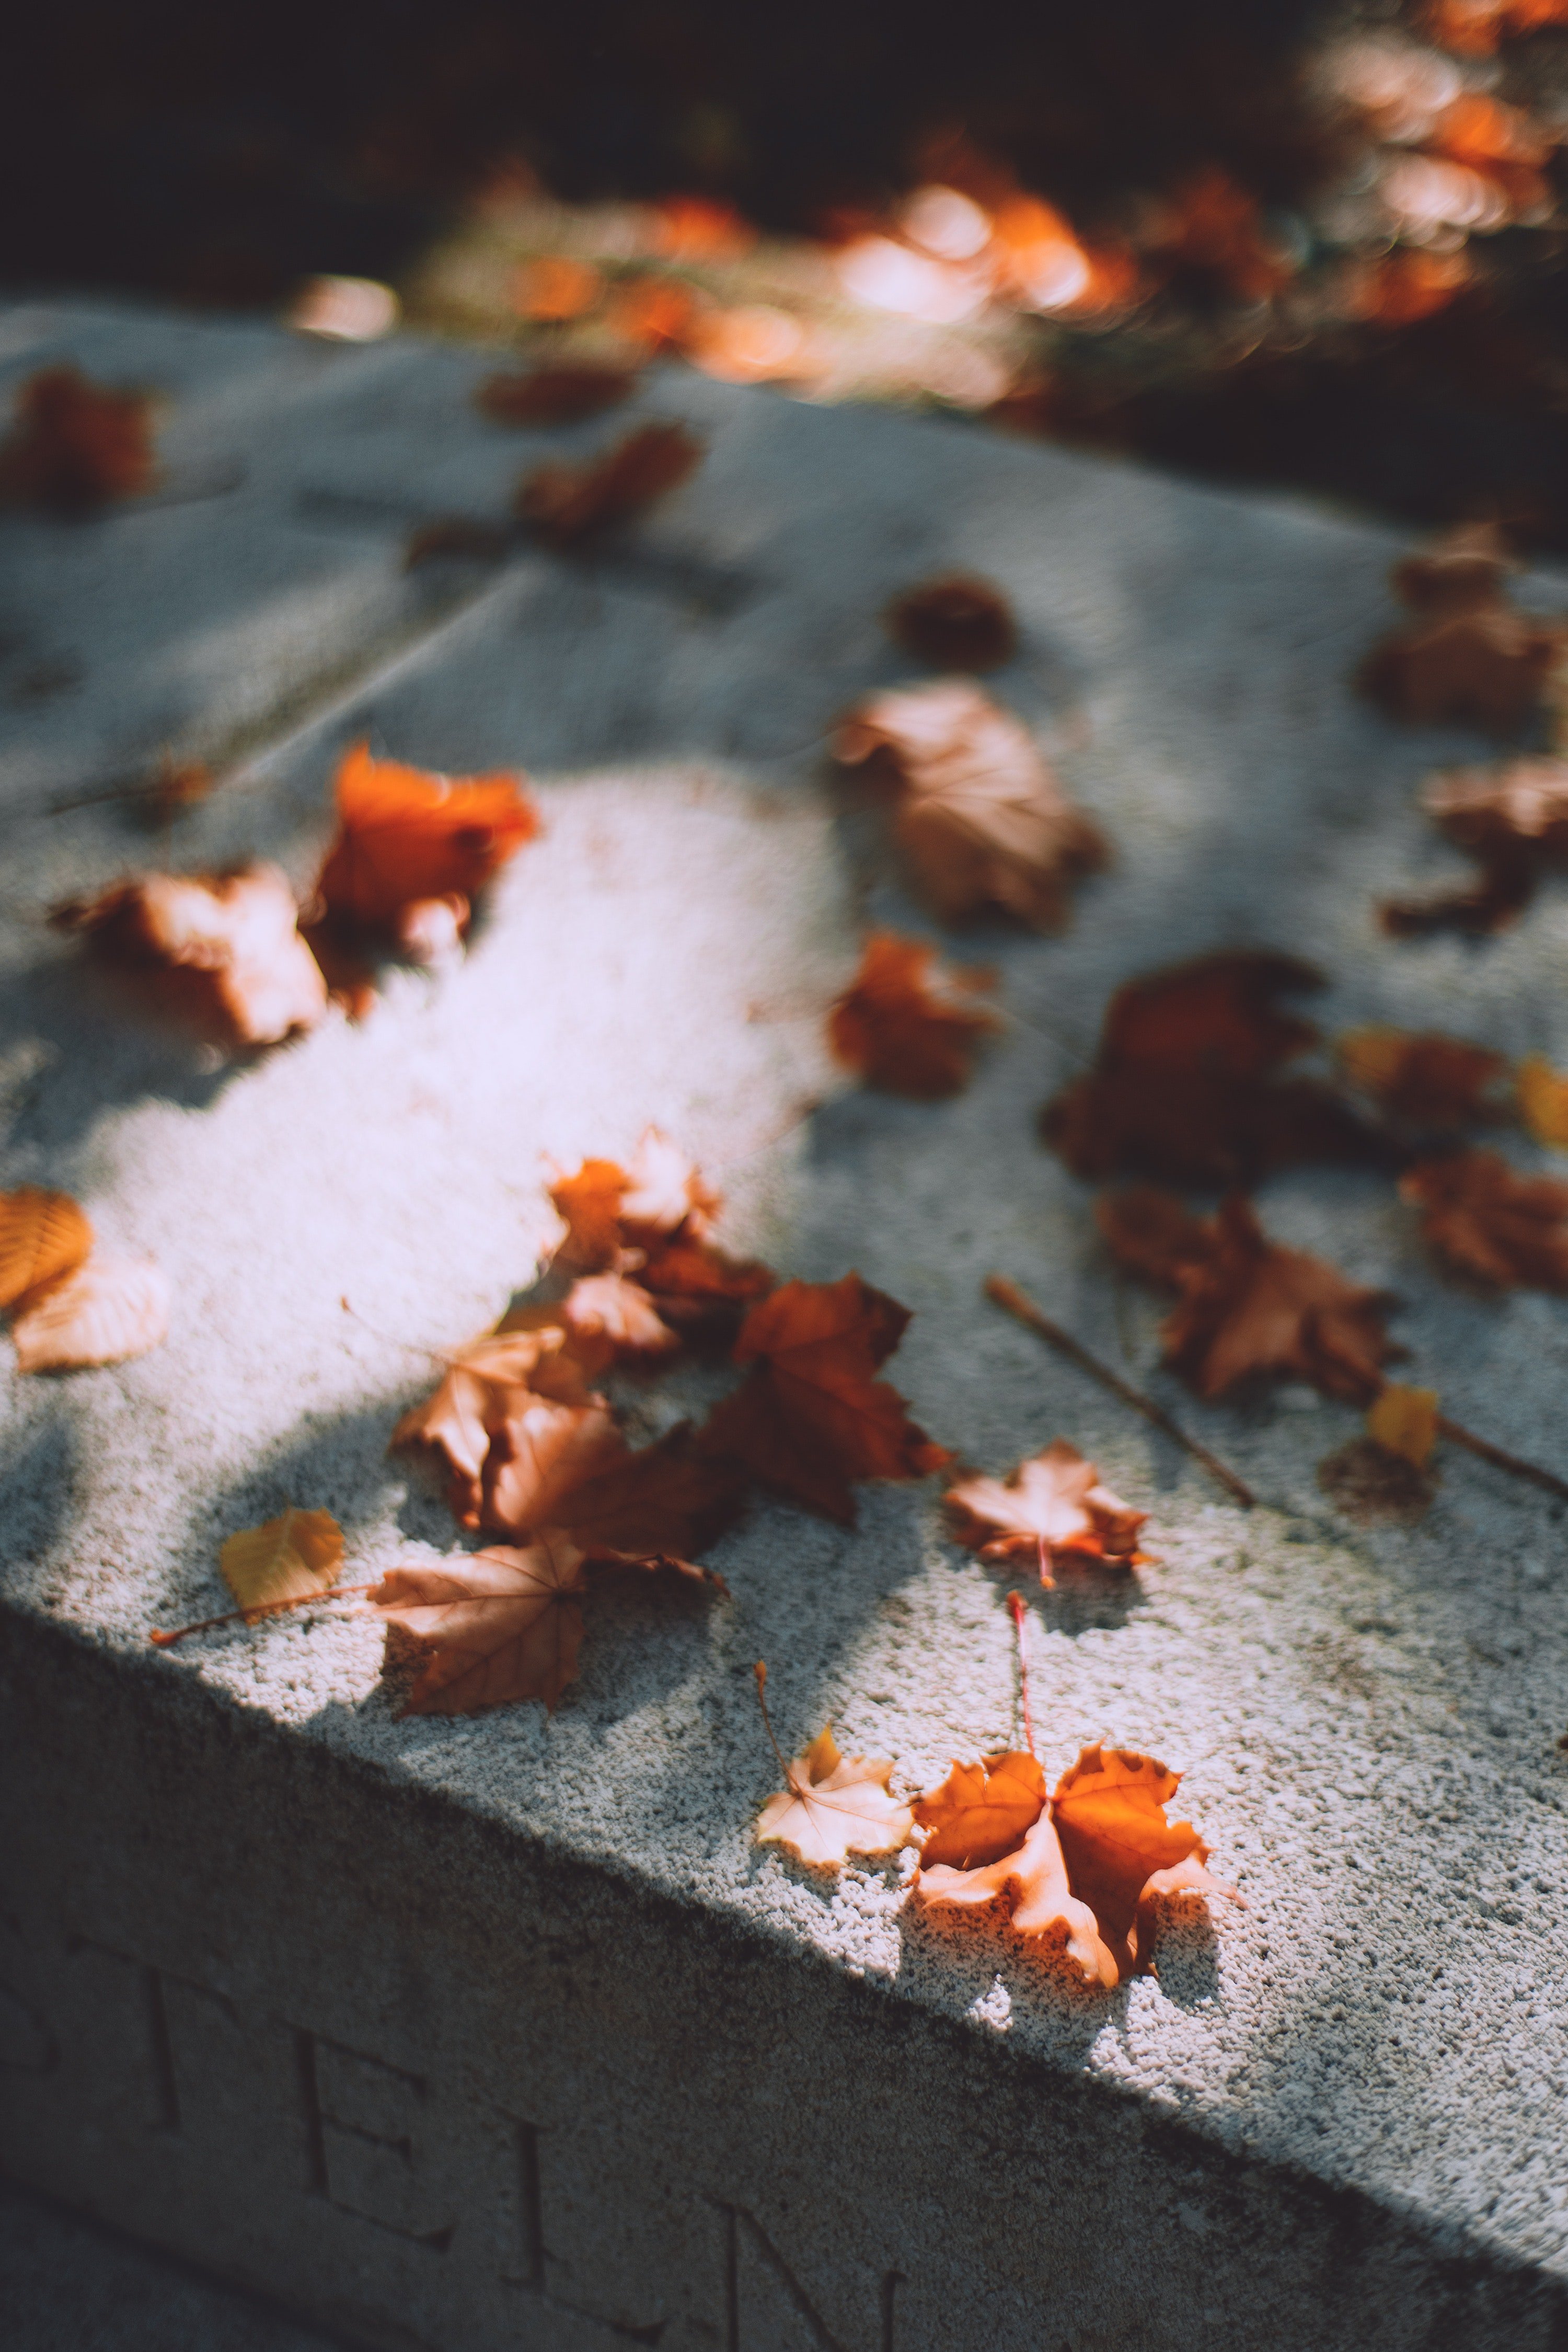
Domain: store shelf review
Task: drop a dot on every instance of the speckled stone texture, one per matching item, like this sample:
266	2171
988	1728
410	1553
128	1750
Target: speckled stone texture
499	2033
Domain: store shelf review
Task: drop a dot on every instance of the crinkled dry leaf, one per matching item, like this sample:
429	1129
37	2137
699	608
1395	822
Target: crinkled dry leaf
665	1503
589	1202
109	1310
836	1806
1469	656
1035	1875
539	1452
980	1812
700	1290
1184	1088
564	502
74	445
404	835
608	1208
222	949
553	395
1464	572
981	816
496	1626
1542	1098
42	1237
1406	1422
1248	1307
290	1557
1052	1503
1490	1222
811	1418
905	1025
1513	819
1121	1853
1432	1081
611	1319
955	622
484	1381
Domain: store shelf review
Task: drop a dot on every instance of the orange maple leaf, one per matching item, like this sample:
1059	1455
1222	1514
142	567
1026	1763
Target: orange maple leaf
44	1236
1490	1222
907	1025
981	1811
1248	1306
221	951
539	1452
609	1209
981	816
954	623
655	1506
701	1290
406	836
74	445
1098	1861
835	1806
811	1418
566	503
1432	1081
494	1625
611	1319
1186	1085
483	1383
553	395
1052	1503
106	1311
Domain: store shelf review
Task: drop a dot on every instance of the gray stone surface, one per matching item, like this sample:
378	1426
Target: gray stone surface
501	2031
67	2286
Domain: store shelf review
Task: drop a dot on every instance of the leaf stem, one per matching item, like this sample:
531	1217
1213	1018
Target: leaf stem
1019	1303
164	1639
1020	1620
1457	1434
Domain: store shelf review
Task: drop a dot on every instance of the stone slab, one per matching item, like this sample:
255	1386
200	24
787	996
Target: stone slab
501	2031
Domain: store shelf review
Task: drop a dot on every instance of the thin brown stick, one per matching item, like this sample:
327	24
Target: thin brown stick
162	1639
1020	1622
1514	1463
1019	1303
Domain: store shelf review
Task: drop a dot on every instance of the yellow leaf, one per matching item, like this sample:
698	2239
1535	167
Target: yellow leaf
1543	1101
1406	1422
290	1557
43	1236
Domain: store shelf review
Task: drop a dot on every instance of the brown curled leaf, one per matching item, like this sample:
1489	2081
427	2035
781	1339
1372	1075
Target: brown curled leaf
220	951
1486	1221
553	395
564	502
954	623
907	1025
492	1625
75	445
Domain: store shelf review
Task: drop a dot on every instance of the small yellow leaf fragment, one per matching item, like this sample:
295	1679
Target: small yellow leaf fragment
290	1557
835	1806
42	1237
1543	1101
106	1311
1405	1422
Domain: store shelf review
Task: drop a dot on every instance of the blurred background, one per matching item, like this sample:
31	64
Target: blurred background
1322	248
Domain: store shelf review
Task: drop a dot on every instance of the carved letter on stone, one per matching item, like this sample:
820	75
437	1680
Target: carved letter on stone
363	2118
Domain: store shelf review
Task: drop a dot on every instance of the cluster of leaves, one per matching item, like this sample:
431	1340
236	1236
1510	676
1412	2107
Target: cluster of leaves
70	1305
234	955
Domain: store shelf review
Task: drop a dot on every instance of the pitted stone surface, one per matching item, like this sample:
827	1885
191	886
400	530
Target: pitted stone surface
1367	1719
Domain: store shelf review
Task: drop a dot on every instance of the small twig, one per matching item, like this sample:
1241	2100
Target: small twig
1020	1620
161	1639
1019	1303
1457	1434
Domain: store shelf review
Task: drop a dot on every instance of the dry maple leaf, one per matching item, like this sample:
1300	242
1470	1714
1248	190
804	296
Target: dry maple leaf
223	951
44	1236
290	1557
907	1025
611	1319
608	1209
553	395
700	1290
980	1812
981	816
75	445
483	1383
1035	1875
835	1806
106	1311
1185	1084
1542	1100
404	835
811	1418
1512	818
566	503
1122	1855
1246	1305
1432	1081
1052	1503
1487	1221
954	623
1468	656
658	1505
494	1625
589	1202
539	1452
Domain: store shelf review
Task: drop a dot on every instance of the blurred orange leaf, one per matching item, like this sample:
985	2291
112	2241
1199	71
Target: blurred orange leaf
1543	1101
406	836
553	395
44	1236
1491	1224
553	287
107	1310
563	502
223	951
907	1025
1405	1422
75	445
1429	1081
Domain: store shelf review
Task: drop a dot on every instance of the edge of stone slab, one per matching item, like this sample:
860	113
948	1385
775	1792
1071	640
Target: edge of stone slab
1457	2260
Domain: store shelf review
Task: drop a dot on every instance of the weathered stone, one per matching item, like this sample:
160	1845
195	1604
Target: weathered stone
501	2031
